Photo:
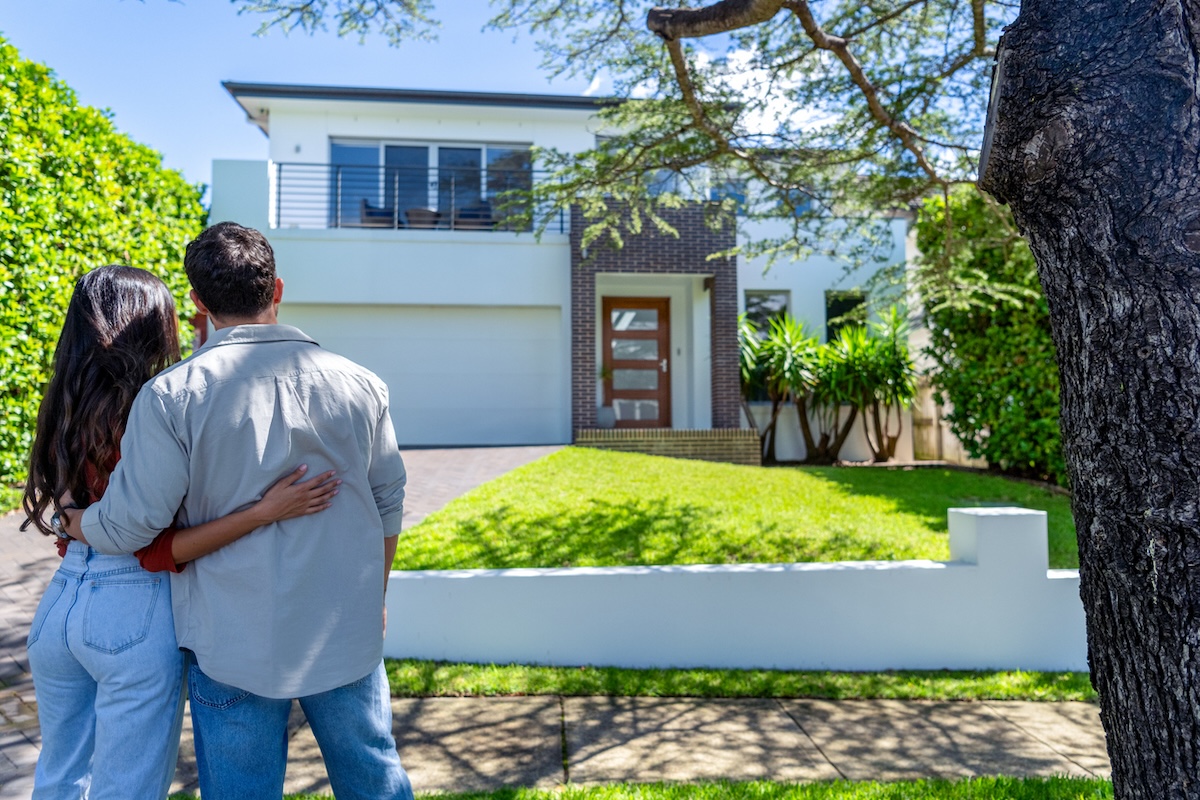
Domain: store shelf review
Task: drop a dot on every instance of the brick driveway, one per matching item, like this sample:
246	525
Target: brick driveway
27	560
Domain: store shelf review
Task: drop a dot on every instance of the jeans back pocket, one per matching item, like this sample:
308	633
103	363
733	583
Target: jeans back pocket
204	691
119	613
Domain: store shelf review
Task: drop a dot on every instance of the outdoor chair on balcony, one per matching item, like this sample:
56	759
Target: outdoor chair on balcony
422	218
474	218
373	217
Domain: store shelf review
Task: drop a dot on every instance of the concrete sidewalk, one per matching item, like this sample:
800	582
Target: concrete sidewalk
480	744
463	744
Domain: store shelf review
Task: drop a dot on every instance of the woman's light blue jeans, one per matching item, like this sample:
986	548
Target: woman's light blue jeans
241	739
108	677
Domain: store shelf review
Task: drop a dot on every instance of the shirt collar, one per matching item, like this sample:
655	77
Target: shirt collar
256	334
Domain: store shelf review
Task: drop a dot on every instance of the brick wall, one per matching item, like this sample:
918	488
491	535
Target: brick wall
728	445
648	254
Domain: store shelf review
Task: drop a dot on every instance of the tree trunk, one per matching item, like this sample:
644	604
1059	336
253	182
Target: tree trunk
810	446
836	447
1096	150
769	432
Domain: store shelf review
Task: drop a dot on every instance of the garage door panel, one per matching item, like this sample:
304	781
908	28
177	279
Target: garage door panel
456	375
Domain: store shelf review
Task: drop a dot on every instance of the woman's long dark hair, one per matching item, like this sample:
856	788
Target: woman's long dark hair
120	331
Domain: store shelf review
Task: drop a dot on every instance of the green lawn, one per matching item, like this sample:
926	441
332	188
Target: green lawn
437	679
581	507
967	789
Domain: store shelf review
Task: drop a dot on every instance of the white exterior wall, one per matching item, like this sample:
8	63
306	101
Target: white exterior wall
301	129
789	442
994	606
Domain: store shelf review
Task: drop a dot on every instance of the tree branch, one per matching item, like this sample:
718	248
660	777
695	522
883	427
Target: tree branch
840	48
980	24
724	145
672	24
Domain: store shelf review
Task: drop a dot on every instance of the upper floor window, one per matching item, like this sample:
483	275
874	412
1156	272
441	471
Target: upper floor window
424	185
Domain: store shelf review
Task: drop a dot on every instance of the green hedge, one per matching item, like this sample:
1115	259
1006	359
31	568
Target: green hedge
74	194
995	359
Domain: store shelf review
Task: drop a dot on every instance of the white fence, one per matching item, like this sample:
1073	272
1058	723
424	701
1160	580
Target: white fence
995	605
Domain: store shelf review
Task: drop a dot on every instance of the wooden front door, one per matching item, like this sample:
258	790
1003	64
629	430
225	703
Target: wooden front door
637	360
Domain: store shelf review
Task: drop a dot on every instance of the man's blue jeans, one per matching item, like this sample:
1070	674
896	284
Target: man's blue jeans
241	739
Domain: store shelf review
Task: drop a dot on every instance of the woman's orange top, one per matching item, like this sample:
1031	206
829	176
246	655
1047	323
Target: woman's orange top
154	557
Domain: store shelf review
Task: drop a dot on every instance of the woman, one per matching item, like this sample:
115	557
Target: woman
107	671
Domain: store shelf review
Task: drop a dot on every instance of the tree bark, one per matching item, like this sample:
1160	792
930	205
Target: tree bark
1096	149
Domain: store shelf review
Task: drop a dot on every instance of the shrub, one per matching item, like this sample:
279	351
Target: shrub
864	372
74	194
994	357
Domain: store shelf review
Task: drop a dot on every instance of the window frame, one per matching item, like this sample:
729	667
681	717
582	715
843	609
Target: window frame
431	147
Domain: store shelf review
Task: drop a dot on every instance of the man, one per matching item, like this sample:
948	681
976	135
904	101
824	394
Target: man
293	610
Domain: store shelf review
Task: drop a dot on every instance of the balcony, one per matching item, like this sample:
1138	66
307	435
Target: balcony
413	198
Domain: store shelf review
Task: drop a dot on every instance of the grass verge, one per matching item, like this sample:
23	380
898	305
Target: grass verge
410	678
968	789
581	507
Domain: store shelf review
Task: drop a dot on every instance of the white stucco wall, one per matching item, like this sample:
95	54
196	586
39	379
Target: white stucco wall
789	441
301	129
995	605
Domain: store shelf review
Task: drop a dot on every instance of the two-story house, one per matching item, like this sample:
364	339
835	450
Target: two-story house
384	209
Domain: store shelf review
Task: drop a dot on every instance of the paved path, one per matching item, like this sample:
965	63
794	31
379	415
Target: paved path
464	744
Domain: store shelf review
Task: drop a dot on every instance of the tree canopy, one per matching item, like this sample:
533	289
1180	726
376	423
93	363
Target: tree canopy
74	194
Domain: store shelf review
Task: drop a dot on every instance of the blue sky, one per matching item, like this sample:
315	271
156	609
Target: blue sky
158	65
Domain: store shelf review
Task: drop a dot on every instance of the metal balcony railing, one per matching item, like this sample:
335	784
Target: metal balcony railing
455	198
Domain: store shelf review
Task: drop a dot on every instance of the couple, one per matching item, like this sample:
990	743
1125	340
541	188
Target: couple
276	595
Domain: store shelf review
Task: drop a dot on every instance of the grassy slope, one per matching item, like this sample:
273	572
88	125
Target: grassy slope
582	507
435	679
968	789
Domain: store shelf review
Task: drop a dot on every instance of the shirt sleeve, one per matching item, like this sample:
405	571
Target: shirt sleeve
156	556
146	487
386	473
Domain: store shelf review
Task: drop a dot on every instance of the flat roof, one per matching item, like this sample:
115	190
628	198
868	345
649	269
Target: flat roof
362	93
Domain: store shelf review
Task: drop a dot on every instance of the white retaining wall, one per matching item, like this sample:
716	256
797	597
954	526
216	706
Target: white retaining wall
995	605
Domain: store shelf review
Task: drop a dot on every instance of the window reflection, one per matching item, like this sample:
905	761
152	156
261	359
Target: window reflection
635	319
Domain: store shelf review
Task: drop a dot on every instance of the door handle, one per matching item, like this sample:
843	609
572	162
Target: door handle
664	365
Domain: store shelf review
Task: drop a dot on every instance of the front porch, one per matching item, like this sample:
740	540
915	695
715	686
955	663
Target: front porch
654	357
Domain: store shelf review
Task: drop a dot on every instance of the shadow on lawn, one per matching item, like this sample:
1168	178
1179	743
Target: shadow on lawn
599	533
646	531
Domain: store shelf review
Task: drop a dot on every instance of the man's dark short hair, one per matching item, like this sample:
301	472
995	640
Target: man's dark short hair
232	269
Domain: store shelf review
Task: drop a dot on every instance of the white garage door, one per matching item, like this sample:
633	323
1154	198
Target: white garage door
457	375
